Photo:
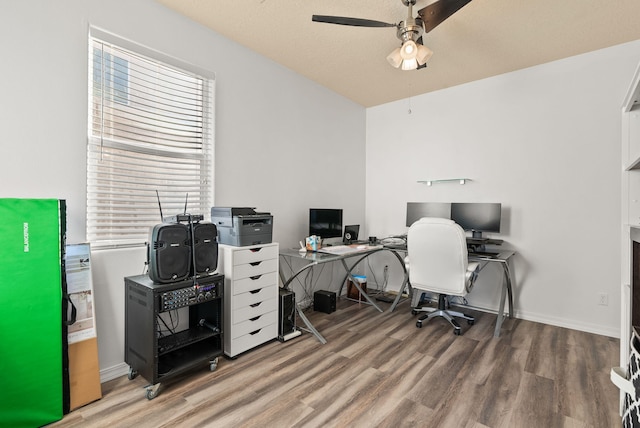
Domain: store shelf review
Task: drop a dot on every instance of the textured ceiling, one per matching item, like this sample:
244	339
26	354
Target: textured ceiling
485	38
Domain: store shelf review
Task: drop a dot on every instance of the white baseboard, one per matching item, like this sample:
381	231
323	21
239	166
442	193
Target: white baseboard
114	372
559	322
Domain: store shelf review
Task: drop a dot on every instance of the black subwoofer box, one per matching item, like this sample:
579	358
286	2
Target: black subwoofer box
324	301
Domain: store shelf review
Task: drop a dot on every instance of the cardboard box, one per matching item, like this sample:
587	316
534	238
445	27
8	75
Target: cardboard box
84	373
352	291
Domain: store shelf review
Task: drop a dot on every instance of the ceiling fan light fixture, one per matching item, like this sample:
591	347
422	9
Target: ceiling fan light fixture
409	64
424	54
394	58
409	50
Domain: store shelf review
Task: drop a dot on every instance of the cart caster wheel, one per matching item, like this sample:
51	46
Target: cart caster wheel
471	322
457	332
419	324
152	391
132	374
213	364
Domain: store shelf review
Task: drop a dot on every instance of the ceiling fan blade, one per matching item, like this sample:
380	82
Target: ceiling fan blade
356	22
435	13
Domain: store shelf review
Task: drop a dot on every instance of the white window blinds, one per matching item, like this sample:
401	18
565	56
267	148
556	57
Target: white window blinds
150	130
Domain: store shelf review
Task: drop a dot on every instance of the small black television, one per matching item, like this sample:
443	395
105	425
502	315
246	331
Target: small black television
325	222
477	217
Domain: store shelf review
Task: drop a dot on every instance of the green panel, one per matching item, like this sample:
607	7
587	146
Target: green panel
31	346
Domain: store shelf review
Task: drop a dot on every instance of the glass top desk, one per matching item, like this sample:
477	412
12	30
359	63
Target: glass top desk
504	258
312	259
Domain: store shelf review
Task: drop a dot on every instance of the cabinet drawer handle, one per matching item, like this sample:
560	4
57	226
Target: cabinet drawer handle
255	332
255	305
255	318
253	278
255	250
255	263
255	291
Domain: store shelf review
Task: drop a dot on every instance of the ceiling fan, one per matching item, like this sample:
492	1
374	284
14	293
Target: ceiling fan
412	54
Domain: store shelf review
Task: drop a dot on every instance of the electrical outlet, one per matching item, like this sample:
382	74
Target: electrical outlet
603	299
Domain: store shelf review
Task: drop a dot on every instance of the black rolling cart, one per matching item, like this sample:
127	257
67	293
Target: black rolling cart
156	349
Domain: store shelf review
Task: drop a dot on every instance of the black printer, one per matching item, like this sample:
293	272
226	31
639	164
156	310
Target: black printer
242	226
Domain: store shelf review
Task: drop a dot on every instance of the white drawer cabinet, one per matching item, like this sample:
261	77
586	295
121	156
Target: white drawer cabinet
250	296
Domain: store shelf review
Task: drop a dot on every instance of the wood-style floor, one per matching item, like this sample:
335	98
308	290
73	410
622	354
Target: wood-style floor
378	369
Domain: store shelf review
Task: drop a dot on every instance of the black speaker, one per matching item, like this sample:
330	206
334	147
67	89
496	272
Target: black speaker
286	313
351	233
169	253
324	301
205	247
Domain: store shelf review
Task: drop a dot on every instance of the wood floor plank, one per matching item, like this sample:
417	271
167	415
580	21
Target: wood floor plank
542	362
534	404
379	369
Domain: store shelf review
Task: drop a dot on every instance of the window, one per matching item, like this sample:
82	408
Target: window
150	142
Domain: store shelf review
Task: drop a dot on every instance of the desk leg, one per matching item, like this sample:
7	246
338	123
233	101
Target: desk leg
503	294
405	283
285	284
507	290
310	326
510	281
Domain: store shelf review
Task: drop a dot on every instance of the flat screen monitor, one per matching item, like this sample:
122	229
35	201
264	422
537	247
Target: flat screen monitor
325	222
477	217
417	210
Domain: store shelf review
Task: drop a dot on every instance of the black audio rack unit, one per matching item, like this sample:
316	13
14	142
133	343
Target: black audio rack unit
158	352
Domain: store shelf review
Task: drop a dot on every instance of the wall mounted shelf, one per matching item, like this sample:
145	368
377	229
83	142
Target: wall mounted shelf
445	180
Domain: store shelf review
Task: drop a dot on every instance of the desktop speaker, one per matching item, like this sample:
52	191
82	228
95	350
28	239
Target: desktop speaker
169	253
351	233
286	313
324	301
205	247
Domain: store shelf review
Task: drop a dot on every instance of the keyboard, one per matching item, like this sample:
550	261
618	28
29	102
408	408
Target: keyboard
483	254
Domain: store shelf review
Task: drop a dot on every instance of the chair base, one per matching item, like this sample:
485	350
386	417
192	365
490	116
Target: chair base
443	312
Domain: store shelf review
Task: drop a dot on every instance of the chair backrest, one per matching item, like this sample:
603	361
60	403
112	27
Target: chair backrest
438	256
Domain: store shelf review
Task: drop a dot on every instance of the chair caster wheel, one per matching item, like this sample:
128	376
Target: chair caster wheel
471	322
419	324
457	332
414	312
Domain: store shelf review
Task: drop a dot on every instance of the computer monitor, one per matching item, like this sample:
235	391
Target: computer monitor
417	210
477	217
325	222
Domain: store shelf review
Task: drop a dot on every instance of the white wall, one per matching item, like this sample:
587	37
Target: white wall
275	130
545	142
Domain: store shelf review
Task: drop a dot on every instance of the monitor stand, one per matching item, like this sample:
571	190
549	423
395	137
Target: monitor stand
476	234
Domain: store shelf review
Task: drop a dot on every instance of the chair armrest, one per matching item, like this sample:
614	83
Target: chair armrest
471	275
